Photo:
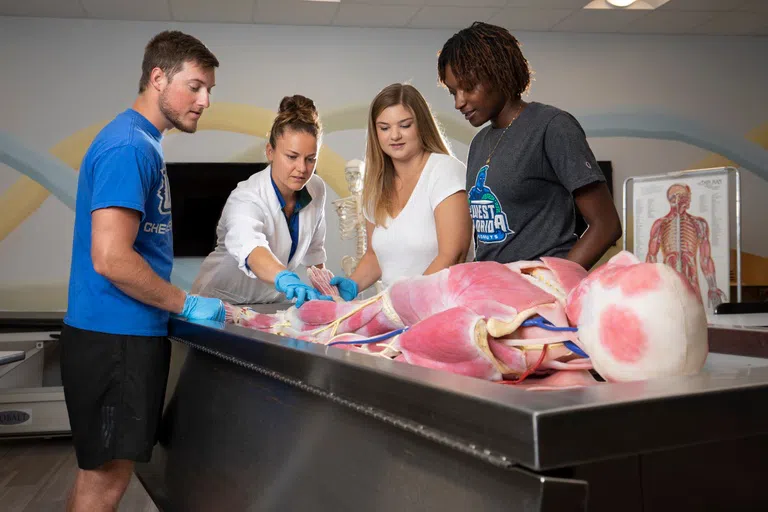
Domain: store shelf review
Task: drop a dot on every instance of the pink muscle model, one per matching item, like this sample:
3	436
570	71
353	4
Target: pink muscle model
693	233
547	320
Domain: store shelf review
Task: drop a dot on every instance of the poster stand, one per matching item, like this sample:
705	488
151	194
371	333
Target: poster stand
702	188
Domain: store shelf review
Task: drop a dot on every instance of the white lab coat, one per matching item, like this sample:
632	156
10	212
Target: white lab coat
252	218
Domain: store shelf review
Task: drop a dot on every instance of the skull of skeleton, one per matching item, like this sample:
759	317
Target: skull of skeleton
354	173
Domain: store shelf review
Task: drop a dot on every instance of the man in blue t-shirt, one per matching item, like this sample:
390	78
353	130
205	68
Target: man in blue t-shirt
115	351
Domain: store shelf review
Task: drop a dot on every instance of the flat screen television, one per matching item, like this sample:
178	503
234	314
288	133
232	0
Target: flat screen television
607	168
199	191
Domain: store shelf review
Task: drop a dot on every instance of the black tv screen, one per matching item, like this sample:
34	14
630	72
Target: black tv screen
199	191
607	168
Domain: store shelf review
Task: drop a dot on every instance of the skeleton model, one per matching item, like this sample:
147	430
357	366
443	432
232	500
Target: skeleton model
680	236
350	212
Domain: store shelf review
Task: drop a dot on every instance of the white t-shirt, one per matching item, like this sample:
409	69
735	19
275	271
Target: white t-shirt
408	243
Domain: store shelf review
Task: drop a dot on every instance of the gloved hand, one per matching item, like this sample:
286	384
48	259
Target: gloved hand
347	287
203	308
288	282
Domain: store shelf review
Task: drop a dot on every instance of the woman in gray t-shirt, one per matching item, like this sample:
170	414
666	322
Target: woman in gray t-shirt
531	166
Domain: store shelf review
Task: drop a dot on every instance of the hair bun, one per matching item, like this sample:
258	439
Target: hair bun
295	112
297	102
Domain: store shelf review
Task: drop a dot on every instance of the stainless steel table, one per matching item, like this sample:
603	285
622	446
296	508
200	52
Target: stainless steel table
259	422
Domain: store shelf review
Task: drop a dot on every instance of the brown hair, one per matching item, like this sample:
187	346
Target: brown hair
486	54
379	181
169	51
296	113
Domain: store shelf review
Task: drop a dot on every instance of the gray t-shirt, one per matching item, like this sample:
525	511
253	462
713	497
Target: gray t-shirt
522	205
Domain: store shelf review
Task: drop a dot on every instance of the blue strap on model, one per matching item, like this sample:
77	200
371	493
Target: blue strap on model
546	324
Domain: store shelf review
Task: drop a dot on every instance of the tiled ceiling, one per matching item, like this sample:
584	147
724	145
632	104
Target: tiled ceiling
714	17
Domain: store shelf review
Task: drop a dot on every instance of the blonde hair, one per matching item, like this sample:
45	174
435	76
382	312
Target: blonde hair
297	113
379	182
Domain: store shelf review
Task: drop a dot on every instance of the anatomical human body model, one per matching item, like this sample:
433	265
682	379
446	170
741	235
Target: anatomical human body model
350	212
680	236
626	320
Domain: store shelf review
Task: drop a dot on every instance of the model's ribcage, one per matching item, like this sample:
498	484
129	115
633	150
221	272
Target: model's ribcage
682	229
689	238
679	242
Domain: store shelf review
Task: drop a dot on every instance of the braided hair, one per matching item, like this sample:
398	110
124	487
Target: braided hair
486	54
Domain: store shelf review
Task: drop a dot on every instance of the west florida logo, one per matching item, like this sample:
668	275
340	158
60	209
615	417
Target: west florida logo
490	221
164	194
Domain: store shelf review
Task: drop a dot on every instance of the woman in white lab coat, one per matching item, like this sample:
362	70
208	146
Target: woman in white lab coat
274	221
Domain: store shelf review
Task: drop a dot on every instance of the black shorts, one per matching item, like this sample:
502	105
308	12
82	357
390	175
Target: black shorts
114	386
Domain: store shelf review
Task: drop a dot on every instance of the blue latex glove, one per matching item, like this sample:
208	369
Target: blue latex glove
288	282
203	308
347	287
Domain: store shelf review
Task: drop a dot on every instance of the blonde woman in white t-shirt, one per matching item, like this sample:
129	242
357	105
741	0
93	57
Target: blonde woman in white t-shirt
414	196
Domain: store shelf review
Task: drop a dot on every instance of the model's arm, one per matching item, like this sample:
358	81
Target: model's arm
705	250
113	232
654	244
715	295
454	231
596	205
368	270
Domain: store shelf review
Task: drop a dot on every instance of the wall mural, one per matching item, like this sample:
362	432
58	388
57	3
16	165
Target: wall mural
55	172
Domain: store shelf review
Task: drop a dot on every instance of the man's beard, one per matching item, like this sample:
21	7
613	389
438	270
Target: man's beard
174	117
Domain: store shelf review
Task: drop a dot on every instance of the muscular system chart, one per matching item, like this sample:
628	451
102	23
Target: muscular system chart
683	222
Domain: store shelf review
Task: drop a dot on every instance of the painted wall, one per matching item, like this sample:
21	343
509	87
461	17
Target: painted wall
649	104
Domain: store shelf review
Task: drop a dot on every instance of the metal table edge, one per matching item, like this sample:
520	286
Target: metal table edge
525	436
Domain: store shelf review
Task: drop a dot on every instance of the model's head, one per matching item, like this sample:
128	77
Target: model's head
179	72
401	127
679	197
484	69
294	143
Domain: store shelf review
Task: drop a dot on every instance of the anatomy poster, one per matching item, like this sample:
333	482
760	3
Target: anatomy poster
683	221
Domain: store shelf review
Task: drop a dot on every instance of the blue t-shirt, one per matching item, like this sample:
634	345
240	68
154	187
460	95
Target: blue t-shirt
124	167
